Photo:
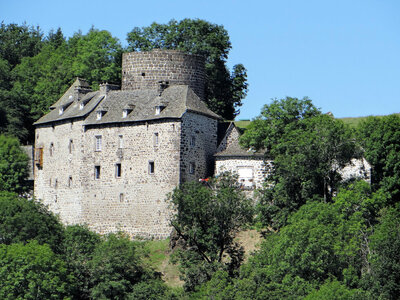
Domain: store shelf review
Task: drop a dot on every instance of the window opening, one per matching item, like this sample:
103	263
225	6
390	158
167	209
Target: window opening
156	139
96	172
192	141
71	146
121	197
151	167
70	181
99	115
118	170
51	149
192	167
98	142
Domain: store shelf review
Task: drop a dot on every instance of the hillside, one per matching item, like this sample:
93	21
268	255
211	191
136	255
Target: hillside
352	121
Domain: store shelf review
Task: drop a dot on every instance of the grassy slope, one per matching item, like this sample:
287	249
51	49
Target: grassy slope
159	255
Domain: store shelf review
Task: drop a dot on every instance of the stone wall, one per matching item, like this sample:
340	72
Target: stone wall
147	69
135	202
198	145
58	183
261	169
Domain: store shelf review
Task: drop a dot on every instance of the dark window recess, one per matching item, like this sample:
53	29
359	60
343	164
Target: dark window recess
151	167
97	172
118	170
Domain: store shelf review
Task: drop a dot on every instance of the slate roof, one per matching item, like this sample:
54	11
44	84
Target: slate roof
141	104
233	149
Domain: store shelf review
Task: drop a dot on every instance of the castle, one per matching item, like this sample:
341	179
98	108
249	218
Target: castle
108	158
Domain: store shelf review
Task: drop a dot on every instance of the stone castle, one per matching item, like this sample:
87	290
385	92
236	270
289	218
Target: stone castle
108	158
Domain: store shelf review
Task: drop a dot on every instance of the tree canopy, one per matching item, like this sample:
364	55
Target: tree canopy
13	165
308	150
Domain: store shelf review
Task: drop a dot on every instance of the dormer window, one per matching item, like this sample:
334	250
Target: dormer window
61	111
125	112
99	115
81	105
158	110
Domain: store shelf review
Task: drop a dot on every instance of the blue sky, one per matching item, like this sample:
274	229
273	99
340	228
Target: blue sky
343	54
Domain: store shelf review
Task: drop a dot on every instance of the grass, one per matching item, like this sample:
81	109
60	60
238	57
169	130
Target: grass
158	255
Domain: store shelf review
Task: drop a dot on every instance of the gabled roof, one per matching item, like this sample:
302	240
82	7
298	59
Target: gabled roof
173	101
230	147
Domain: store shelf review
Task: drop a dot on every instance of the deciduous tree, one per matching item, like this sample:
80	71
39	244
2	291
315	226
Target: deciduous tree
207	219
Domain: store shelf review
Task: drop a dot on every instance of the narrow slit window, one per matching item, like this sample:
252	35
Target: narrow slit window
151	167
118	170
192	141
97	172
71	146
98	143
121	197
70	181
156	140
51	149
192	167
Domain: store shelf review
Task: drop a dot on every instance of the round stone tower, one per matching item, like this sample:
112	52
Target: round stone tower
168	67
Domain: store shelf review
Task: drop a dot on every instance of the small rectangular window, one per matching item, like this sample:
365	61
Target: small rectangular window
192	141
156	139
192	167
96	172
151	167
98	143
121	197
118	170
70	146
70	181
120	141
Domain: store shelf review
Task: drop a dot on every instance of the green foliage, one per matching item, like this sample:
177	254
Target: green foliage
97	57
380	138
384	278
36	71
224	91
308	150
277	118
207	219
336	290
22	220
78	246
115	267
13	165
17	42
32	271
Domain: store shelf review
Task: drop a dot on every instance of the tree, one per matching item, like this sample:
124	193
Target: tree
78	248
13	165
224	91
207	220
380	139
22	220
32	271
115	268
308	150
97	57
384	279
